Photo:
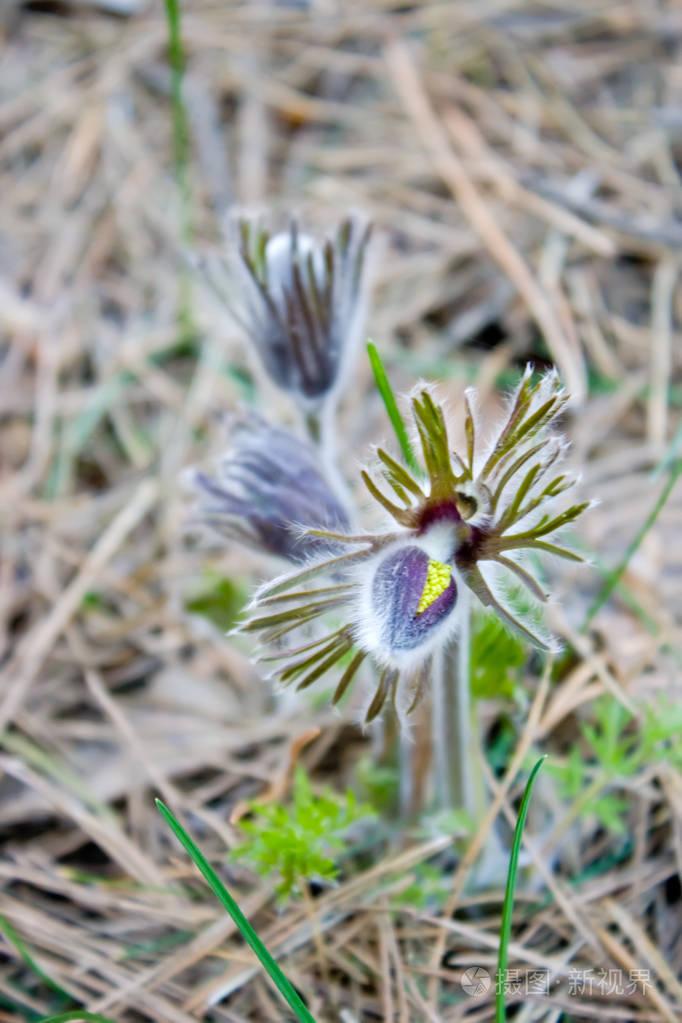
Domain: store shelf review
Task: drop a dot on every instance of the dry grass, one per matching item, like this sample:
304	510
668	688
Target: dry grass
522	163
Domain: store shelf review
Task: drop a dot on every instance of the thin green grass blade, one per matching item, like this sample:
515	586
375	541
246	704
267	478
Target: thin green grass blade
614	577
181	152
625	595
176	58
14	938
391	405
508	907
22	948
77	1014
283	985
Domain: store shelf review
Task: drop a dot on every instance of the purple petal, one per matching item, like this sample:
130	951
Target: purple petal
396	592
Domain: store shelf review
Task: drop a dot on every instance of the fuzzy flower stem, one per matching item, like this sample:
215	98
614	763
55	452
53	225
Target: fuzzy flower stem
415	765
455	749
406	776
322	428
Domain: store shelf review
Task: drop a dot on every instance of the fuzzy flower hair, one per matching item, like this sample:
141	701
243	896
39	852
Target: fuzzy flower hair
466	523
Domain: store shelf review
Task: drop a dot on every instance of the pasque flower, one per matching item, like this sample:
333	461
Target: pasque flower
301	303
468	522
265	489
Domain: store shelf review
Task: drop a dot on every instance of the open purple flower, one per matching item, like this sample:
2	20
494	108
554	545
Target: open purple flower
468	522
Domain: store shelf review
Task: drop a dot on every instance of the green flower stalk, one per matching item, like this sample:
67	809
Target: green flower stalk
465	527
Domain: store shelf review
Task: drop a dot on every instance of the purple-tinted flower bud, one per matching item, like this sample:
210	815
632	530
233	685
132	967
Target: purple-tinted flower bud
412	594
266	485
304	303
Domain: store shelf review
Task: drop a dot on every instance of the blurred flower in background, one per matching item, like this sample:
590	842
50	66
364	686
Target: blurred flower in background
301	303
265	490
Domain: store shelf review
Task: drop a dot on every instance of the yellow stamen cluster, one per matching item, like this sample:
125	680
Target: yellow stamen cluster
437	581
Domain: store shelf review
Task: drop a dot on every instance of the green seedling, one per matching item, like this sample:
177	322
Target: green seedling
302	840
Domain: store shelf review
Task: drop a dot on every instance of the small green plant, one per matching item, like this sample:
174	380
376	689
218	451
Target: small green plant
377	782
587	777
297	842
428	890
218	599
614	744
662	734
616	749
497	655
445	822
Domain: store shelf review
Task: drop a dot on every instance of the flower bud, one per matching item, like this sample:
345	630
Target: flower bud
304	304
265	490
